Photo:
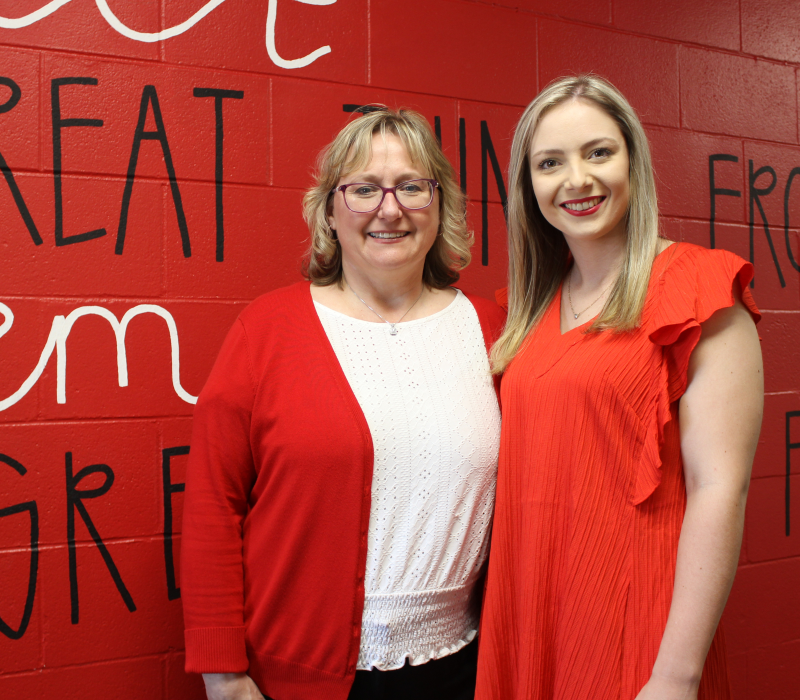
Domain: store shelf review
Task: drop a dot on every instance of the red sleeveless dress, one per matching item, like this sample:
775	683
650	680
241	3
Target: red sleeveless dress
591	495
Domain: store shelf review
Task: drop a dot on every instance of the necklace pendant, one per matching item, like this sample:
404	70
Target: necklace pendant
576	316
394	330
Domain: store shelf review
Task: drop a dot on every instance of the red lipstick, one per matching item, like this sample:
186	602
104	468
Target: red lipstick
583	212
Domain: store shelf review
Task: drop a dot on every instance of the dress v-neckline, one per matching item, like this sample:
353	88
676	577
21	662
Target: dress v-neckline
558	296
555	310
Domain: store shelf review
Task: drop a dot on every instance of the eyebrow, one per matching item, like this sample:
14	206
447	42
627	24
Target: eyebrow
587	145
403	177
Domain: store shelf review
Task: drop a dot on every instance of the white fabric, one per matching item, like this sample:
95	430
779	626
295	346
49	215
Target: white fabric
432	411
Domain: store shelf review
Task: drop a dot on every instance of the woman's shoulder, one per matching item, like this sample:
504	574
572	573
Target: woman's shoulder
688	258
690	283
484	305
688	272
284	303
491	315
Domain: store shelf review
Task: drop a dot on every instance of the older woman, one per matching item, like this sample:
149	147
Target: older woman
342	469
632	401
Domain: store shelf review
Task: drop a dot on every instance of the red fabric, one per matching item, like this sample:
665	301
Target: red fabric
591	495
277	505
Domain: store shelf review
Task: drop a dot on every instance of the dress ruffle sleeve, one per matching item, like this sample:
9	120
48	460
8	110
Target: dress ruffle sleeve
695	283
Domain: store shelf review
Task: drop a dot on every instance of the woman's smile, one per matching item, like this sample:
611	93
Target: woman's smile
583	207
388	235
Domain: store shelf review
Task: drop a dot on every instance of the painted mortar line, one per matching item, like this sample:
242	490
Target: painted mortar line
271	153
369	42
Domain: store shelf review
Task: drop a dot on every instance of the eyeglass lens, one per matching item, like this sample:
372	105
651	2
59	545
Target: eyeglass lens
363	197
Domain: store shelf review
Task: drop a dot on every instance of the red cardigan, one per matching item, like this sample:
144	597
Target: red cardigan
277	505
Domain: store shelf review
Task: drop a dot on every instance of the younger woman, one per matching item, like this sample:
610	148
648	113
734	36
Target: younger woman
632	402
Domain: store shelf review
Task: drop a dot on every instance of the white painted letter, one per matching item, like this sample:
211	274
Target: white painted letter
57	340
111	18
272	11
150	37
33	17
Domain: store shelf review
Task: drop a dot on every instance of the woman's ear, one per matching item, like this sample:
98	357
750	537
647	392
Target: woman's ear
329	214
331	222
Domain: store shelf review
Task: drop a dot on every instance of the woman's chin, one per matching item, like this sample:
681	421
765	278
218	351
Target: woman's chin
388	258
588	229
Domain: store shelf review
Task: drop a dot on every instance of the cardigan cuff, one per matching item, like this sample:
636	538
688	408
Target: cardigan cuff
216	650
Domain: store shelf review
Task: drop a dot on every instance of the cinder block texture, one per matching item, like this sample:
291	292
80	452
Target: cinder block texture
151	186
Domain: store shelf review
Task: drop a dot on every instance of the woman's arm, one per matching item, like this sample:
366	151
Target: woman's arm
720	419
219	479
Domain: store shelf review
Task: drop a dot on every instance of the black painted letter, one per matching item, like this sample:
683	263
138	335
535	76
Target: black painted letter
789	447
58	124
75	498
33	512
362	109
173	592
488	149
462	153
149	97
755	194
218	96
7	106
786	192
716	191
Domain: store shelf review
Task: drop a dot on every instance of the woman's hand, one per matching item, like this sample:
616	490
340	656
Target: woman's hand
668	689
231	686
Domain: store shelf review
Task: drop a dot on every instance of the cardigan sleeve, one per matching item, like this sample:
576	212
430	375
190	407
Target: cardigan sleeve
220	476
492	318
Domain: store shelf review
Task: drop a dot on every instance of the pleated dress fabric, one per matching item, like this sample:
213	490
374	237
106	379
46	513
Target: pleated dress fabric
591	495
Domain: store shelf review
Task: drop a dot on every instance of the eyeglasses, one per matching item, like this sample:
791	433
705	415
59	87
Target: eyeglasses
365	197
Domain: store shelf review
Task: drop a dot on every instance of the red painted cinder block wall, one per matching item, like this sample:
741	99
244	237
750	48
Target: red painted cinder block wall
91	472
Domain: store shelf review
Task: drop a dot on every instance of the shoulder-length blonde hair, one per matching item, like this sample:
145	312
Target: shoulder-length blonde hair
351	150
538	252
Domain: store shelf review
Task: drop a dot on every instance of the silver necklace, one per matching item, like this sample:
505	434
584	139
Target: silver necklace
392	326
569	296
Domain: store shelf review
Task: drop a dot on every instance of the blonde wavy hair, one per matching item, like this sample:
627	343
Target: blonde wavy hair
352	150
537	251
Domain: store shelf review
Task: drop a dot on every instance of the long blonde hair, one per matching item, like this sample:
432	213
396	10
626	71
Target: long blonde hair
351	150
537	251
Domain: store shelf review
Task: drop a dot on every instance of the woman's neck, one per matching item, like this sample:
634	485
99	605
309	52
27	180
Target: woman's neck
596	263
390	291
392	296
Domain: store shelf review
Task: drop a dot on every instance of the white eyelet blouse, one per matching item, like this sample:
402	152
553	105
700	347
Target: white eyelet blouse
430	404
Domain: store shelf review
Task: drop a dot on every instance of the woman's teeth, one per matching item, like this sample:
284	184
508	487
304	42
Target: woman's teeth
581	206
387	234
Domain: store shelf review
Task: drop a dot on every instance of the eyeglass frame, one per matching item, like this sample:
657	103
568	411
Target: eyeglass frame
385	190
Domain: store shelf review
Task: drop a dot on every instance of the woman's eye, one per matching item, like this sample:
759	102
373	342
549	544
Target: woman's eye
600	153
365	191
410	188
547	164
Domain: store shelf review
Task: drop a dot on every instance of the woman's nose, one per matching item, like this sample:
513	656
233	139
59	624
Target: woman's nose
389	208
578	176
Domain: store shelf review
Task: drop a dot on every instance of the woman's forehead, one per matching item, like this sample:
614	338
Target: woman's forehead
574	121
380	151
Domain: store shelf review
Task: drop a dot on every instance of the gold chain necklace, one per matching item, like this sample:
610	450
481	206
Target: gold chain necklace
569	296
